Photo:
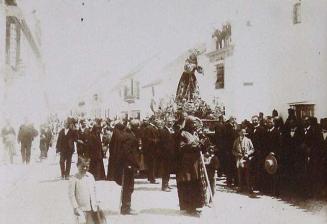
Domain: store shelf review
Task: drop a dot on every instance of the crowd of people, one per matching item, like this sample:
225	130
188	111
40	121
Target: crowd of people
265	155
152	148
296	152
189	139
159	146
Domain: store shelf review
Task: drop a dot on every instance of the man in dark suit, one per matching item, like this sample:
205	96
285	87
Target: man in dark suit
82	136
26	135
323	142
219	141
257	136
150	148
65	146
128	160
167	150
229	138
272	145
293	157
313	156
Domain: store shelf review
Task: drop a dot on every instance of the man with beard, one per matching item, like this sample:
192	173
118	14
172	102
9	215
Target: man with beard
128	162
150	149
65	146
257	136
167	149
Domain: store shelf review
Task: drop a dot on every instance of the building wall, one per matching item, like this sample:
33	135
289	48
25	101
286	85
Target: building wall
23	92
273	62
2	46
285	63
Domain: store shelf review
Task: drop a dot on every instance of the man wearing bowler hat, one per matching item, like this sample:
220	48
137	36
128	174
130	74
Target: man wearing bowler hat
65	146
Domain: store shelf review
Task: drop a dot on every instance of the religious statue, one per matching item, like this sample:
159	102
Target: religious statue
188	89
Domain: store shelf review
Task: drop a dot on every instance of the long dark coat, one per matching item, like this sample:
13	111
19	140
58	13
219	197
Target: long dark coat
114	148
150	139
189	177
167	149
127	155
94	147
65	143
83	137
323	165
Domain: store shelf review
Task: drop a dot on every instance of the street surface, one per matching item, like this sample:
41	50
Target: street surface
35	194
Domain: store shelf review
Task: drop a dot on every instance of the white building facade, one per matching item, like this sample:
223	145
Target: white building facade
269	55
276	59
22	71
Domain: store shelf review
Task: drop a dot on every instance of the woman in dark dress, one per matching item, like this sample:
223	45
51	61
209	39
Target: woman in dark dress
188	89
94	147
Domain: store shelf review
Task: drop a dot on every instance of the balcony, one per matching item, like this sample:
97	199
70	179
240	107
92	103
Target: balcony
130	99
220	54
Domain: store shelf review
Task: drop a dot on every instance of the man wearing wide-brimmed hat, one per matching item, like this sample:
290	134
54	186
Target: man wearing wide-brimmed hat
272	147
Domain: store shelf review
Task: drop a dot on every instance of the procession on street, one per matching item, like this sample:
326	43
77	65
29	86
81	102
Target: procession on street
264	156
163	111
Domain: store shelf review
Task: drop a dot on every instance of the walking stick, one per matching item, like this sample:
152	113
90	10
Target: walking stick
207	178
121	192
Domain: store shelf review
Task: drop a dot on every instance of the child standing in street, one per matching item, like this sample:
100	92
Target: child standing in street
82	194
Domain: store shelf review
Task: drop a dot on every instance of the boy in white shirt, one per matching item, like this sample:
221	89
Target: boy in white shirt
82	194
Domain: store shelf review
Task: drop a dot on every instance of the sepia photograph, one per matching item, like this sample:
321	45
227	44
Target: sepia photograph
163	111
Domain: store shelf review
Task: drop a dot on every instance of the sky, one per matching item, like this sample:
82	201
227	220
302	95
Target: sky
115	36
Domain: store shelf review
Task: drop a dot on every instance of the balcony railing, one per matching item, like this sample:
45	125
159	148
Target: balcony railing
130	98
221	53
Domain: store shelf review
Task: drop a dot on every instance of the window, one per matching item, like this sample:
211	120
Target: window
220	76
297	13
132	90
12	43
303	110
136	89
135	114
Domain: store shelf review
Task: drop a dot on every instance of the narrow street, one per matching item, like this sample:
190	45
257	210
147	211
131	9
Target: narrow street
35	194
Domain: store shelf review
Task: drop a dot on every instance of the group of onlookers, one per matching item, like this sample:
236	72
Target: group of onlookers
297	149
